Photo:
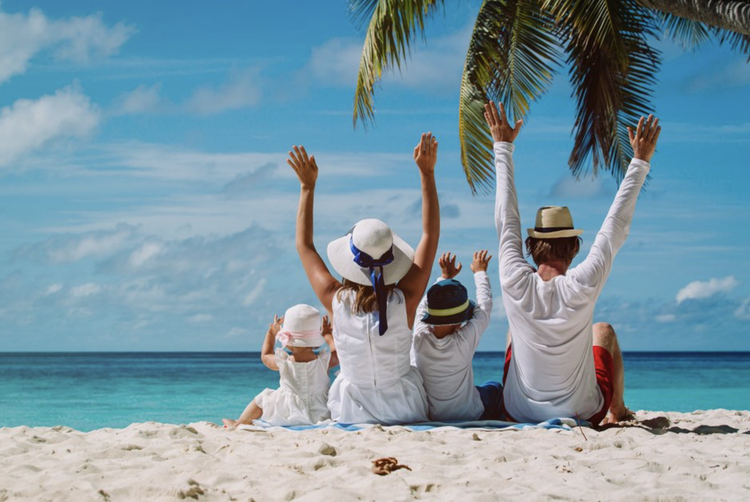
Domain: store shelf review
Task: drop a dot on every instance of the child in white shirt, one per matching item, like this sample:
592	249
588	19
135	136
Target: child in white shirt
447	330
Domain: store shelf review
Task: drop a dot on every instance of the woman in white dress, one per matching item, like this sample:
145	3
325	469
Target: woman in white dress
301	398
373	307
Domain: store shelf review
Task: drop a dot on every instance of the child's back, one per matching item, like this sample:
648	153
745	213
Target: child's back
302	395
445	340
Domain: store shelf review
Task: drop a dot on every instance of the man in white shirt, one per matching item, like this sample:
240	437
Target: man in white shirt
558	363
447	331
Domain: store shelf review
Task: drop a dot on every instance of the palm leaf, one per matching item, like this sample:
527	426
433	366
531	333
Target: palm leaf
689	33
612	72
511	58
390	33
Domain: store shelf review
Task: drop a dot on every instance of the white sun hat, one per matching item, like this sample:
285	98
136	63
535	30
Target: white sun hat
374	239
553	222
301	327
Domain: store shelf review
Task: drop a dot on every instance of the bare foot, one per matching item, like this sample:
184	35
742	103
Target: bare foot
229	424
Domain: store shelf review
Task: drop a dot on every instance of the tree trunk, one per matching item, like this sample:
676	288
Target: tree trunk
733	15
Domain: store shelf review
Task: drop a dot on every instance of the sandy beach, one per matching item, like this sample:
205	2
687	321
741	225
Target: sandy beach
703	455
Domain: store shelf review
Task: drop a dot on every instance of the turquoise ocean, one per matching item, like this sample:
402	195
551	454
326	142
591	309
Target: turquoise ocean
91	390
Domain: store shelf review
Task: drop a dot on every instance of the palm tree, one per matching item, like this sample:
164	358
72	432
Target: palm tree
518	46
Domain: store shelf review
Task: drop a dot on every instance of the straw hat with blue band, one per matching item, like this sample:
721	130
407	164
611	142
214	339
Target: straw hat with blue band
372	255
553	222
448	303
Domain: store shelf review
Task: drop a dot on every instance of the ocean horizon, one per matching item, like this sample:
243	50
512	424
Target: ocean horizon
93	390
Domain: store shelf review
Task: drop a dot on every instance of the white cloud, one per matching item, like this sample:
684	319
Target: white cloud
436	66
666	318
201	318
52	289
255	293
736	74
72	248
142	99
144	253
27	124
743	311
697	289
336	61
241	91
85	290
77	39
590	187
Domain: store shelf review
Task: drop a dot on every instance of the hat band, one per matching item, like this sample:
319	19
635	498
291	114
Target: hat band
448	312
287	336
544	230
376	279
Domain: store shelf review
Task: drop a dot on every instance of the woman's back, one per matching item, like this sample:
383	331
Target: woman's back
376	383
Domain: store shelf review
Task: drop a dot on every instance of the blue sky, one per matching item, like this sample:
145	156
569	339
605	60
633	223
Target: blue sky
145	202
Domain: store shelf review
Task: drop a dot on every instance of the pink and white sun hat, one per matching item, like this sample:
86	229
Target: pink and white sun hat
301	327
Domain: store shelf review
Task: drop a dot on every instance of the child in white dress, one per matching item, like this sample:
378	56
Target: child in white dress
301	398
374	305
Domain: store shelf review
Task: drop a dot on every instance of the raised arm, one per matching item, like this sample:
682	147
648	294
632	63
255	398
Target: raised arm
415	281
321	280
594	270
267	354
481	318
507	219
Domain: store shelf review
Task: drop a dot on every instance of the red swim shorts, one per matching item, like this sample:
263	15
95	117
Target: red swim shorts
605	375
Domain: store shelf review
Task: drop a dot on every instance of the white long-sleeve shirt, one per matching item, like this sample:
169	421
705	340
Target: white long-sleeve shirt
552	372
445	363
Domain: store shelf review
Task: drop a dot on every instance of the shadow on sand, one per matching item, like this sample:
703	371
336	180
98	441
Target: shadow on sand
662	425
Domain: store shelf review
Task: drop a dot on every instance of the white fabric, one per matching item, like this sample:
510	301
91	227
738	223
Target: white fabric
552	370
302	396
377	383
445	363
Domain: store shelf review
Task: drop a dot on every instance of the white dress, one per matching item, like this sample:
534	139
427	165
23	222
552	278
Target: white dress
302	394
377	383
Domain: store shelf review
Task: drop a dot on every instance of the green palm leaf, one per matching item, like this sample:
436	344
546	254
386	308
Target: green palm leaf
511	58
390	32
612	72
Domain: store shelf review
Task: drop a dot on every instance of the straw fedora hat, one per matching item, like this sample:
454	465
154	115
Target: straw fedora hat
301	327
376	239
553	222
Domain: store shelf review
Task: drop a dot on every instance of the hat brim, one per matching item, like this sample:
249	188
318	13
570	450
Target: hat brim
452	319
317	341
573	232
342	260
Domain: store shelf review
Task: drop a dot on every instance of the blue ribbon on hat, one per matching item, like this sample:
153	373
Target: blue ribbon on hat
364	260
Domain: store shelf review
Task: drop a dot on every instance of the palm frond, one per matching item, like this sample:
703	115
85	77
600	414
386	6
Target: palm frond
511	58
390	33
737	41
612	72
689	33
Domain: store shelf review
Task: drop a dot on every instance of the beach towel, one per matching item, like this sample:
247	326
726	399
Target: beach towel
555	423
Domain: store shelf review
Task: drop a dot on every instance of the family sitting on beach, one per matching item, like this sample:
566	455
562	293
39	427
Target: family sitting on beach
406	357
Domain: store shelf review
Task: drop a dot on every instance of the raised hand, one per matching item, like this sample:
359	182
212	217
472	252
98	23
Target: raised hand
275	326
645	137
326	328
425	153
499	125
481	260
448	265
304	166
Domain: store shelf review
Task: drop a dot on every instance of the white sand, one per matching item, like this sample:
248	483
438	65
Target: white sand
703	456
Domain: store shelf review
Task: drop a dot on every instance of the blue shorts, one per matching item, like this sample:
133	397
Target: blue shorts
492	399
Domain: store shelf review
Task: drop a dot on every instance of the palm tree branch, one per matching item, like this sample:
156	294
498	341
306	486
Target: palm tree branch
390	32
511	58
